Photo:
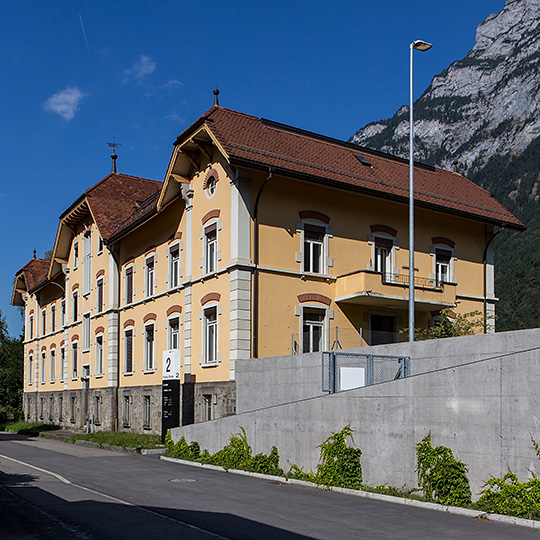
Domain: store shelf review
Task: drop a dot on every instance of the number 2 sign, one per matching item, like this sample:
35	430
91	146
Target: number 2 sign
172	362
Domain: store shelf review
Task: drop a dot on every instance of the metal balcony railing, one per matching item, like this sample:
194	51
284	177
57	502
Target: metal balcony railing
403	279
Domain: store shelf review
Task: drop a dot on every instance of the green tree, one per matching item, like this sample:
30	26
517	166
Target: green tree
11	372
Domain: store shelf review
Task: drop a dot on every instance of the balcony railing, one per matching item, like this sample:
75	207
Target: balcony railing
403	279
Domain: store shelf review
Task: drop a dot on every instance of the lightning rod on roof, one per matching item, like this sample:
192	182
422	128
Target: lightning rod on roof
216	94
114	145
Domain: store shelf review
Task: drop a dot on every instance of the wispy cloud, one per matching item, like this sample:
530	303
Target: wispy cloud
65	103
172	83
141	69
175	117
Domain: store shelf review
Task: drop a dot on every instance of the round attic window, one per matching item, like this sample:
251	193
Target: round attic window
210	183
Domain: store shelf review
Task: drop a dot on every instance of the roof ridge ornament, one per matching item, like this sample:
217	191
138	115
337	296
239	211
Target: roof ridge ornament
216	94
114	145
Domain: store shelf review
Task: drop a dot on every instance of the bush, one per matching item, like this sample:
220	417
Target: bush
123	439
441	476
339	464
29	428
507	495
236	455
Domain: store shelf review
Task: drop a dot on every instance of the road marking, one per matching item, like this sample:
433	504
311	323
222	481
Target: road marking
115	499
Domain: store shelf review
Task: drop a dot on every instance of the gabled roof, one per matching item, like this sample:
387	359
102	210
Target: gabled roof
114	199
28	278
257	143
109	204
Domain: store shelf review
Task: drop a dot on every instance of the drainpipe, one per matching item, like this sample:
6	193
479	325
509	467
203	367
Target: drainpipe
484	260
255	300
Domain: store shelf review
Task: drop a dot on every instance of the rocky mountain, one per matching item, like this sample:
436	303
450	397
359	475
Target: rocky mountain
481	117
488	103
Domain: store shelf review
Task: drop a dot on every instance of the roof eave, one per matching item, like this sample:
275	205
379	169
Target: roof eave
348	187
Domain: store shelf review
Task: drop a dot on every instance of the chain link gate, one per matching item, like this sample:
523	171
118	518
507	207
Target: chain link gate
345	370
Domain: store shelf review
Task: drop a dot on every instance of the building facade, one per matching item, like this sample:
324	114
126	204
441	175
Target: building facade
262	239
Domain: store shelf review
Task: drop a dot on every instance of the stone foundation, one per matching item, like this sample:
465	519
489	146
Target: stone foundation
138	410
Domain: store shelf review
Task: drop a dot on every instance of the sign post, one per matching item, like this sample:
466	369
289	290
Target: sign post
170	401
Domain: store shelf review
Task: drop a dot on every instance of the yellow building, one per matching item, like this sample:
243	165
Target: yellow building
262	240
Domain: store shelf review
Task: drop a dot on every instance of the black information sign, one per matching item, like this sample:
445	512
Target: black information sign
170	406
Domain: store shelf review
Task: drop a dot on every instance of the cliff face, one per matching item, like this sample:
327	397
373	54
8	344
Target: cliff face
481	117
486	104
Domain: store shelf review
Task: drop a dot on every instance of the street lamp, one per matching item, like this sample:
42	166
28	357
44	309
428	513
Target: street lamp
419	45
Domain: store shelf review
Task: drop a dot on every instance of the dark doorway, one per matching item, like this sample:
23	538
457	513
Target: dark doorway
382	329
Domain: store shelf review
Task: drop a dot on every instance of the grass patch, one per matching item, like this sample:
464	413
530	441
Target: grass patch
28	428
138	441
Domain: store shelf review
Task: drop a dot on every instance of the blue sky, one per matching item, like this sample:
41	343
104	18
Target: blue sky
77	74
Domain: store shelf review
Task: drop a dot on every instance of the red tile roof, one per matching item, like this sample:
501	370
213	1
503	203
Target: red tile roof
115	198
34	272
250	140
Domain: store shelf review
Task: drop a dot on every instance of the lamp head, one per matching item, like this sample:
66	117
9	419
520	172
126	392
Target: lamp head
420	45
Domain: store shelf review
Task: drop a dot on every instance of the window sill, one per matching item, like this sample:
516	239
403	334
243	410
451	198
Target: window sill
74	377
127	373
210	364
98	376
149	371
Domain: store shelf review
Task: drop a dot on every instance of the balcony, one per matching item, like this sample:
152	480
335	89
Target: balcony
388	290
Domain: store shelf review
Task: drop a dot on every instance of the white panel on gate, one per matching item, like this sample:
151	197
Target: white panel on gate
352	377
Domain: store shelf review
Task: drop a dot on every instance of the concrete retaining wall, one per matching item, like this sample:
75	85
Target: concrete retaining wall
264	382
484	410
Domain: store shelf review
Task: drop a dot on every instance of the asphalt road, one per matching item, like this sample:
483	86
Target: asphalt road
101	494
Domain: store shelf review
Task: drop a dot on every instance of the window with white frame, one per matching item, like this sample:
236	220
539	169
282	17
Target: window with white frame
74	360
149	348
174	333
313	255
99	295
75	255
31	327
174	266
43	367
43	322
63	313
313	320
210	328
210	248
87	262
100	246
75	305
147	411
62	362
128	292
30	369
128	351
52	361
382	262
53	318
86	331
443	258
99	355
150	276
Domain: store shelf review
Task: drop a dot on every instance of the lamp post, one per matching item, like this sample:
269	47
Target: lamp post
419	45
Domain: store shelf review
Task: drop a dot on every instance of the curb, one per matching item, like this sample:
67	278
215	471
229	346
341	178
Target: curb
476	514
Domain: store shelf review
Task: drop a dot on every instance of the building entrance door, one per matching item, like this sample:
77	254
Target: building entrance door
382	329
